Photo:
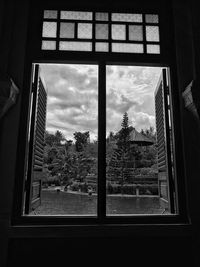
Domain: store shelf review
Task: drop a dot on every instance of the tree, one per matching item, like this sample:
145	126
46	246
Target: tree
150	153
121	154
123	136
59	137
81	140
54	139
49	138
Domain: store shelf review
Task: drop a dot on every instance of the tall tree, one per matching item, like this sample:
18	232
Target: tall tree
59	137
81	140
121	154
123	136
54	139
49	138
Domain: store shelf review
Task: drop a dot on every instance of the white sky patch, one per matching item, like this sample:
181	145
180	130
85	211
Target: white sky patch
131	89
72	103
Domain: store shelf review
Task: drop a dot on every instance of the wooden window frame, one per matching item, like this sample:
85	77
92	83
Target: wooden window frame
34	54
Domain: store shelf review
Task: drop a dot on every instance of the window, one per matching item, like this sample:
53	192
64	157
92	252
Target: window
64	168
100	32
102	126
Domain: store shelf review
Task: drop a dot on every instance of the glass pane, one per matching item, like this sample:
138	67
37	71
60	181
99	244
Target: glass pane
101	47
135	33
50	14
127	48
101	31
75	46
48	45
101	16
85	30
153	49
152	33
135	183
76	15
49	29
150	18
126	17
118	32
66	30
70	158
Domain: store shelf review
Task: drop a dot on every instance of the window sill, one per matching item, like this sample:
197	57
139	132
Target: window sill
110	229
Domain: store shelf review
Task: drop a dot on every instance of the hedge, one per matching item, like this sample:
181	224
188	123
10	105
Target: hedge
130	189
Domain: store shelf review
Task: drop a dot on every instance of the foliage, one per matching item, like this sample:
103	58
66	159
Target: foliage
130	189
81	140
148	190
113	188
53	180
54	139
121	154
69	162
74	164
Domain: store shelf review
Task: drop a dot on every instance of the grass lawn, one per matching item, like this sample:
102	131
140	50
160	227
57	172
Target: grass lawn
64	203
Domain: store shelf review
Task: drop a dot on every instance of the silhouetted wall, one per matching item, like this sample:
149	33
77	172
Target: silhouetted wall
175	249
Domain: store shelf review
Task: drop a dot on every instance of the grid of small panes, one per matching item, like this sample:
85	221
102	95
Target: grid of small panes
100	32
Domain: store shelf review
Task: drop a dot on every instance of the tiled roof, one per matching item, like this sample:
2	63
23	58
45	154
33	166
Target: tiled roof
138	138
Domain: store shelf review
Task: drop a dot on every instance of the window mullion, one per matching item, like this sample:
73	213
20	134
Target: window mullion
102	142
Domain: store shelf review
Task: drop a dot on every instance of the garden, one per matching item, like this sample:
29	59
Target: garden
131	163
70	172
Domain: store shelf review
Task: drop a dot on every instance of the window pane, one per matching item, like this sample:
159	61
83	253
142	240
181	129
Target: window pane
135	33
101	47
50	14
48	45
118	32
153	49
101	31
49	29
126	17
68	165
152	33
76	15
149	18
84	30
127	48
66	30
75	46
136	174
101	16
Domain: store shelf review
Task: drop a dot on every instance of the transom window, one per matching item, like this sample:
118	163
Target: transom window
100	32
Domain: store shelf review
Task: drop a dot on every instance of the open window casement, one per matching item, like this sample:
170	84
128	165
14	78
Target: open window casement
36	143
164	140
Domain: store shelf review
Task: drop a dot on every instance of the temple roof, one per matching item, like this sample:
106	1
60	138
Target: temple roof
139	138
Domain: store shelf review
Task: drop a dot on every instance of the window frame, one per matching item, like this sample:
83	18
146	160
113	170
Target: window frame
35	54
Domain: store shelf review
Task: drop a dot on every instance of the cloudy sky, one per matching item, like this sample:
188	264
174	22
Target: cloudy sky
73	97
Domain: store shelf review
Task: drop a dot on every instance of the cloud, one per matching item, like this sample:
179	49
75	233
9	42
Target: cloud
73	97
131	89
72	103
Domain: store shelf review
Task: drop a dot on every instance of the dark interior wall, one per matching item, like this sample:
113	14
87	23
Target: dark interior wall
12	51
187	71
161	250
104	251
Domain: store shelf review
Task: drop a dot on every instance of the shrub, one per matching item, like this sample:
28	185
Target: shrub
129	189
83	187
148	190
52	180
74	186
